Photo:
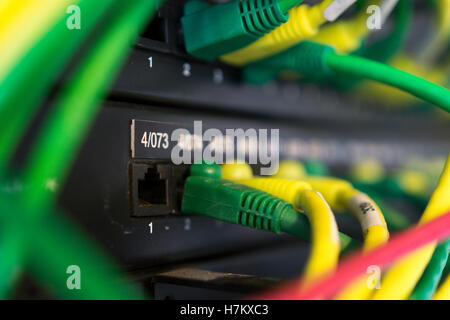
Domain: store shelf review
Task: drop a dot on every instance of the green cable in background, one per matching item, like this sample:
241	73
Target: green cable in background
429	281
318	61
383	73
78	102
24	89
384	49
54	245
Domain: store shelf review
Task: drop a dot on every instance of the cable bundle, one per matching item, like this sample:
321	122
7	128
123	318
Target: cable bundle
323	277
52	45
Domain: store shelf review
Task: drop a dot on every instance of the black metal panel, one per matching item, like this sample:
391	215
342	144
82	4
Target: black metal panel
97	191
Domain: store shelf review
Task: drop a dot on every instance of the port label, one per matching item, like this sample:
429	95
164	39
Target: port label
155	139
151	139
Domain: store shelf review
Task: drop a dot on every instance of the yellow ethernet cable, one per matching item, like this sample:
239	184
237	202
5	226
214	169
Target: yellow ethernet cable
304	22
443	293
236	171
344	36
400	280
293	169
375	233
341	195
325	235
22	23
325	240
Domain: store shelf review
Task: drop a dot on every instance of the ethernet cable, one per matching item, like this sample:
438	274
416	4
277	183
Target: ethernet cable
394	219
304	199
294	170
317	60
211	30
348	37
235	203
344	36
240	204
410	83
341	195
21	23
304	22
400	245
325	240
402	277
384	49
55	244
429	281
336	192
394	97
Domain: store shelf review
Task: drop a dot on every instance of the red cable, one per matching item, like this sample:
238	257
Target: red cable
356	264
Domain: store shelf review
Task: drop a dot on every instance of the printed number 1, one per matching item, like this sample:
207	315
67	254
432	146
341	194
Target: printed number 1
150	225
150	62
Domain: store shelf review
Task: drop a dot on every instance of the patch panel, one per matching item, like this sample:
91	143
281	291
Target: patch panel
123	159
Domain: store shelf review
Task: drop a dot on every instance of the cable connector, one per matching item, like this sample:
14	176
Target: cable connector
304	22
236	203
213	30
307	58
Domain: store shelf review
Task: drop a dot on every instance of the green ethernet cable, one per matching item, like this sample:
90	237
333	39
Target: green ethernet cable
239	204
20	108
383	49
428	283
99	66
319	61
213	30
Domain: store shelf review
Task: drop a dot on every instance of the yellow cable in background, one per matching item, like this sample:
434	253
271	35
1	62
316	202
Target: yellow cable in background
344	36
325	235
304	22
325	247
402	277
341	195
443	293
22	23
4	4
375	233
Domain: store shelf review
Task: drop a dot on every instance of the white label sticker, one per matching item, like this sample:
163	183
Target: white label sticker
365	210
